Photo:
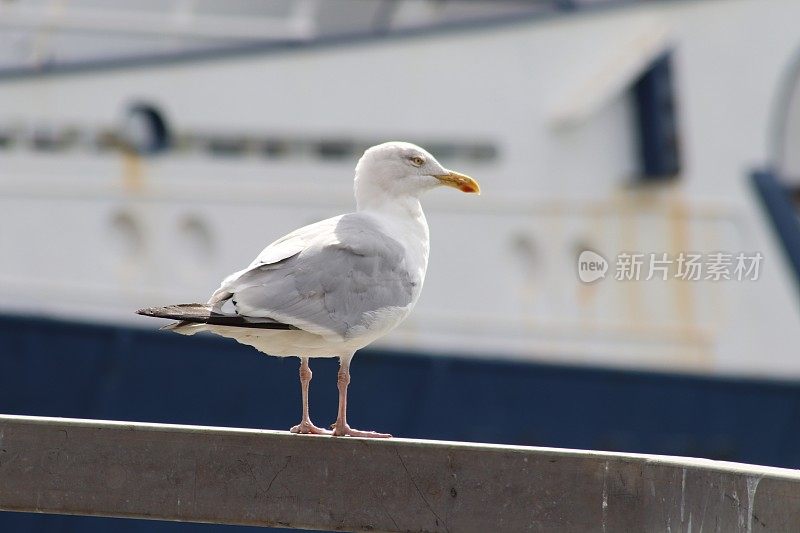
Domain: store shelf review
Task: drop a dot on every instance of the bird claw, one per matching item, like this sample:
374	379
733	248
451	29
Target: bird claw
307	428
344	430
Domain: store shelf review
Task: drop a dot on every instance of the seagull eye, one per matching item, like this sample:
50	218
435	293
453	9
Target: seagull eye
417	161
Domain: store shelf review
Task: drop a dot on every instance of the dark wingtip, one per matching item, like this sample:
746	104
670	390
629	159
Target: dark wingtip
204	314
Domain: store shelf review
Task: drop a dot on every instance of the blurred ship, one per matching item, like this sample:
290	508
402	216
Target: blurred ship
144	159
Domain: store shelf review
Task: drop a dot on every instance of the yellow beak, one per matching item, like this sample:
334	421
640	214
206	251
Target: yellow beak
462	182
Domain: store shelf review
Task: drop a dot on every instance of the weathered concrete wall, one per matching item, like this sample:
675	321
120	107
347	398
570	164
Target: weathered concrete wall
238	476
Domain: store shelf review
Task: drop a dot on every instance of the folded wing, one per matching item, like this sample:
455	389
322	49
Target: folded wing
331	278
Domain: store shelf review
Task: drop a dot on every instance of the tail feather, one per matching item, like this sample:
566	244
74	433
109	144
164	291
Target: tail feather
189	316
184	328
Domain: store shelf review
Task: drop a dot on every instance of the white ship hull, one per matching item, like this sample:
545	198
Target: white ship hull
96	234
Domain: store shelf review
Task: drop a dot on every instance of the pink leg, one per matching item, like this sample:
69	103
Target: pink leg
305	426
340	427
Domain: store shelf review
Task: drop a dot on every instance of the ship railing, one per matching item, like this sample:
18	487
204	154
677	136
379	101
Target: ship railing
272	478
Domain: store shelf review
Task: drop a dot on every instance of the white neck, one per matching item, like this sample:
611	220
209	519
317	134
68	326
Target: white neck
403	216
372	198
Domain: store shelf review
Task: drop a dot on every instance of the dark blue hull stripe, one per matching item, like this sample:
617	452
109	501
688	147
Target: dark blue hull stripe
56	368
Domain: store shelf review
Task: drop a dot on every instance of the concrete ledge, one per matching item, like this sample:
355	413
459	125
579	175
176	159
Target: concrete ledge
270	478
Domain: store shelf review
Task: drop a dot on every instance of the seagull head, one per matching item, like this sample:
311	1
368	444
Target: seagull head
401	169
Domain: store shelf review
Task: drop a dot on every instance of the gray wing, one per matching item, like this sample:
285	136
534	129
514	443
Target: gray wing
340	281
287	246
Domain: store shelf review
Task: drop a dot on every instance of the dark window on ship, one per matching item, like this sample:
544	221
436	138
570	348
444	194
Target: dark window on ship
145	129
654	94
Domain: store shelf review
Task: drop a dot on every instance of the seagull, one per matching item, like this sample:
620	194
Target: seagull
330	288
